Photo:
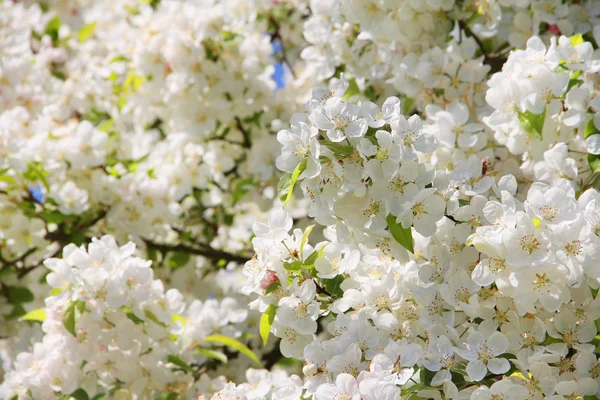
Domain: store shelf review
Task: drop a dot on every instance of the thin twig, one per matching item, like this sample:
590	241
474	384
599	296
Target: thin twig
209	253
245	133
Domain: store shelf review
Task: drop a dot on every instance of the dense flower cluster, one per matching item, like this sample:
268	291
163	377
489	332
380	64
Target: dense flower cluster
491	285
425	226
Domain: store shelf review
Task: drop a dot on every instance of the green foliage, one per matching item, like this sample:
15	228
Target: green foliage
532	123
333	286
80	394
400	234
35	315
52	28
178	259
71	314
173	359
266	320
286	188
36	173
234	344
215	355
18	294
86	32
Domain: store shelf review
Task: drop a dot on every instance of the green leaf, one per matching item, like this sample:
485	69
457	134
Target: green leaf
241	188
590	129
36	173
294	266
400	234
96	117
532	123
216	355
305	239
352	90
80	394
106	125
167	396
272	287
7	179
426	376
576	40
574	81
52	29
16	312
54	216
333	285
407	105
293	179
19	294
310	261
87	31
150	315
35	315
58	74
55	291
234	344
178	259
594	162
131	315
340	149
180	318
228	36
284	185
72	314
118	59
412	389
181	364
266	320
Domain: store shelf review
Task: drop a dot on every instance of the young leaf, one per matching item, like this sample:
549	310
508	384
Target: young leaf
52	29
19	294
150	315
594	162
234	344
532	123
266	320
305	239
310	260
71	315
352	90
273	287
576	40
180	363
35	315
295	266
216	355
177	317
80	394
284	185
178	259
400	234
293	179
333	285
590	129
87	31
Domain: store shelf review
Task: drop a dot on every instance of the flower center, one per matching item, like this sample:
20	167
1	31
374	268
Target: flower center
548	212
529	243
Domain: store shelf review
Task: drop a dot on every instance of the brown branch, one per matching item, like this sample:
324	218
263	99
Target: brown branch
8	264
208	252
277	36
238	124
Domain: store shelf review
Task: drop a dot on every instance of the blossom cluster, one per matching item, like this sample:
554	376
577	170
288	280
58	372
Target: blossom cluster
299	199
433	281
